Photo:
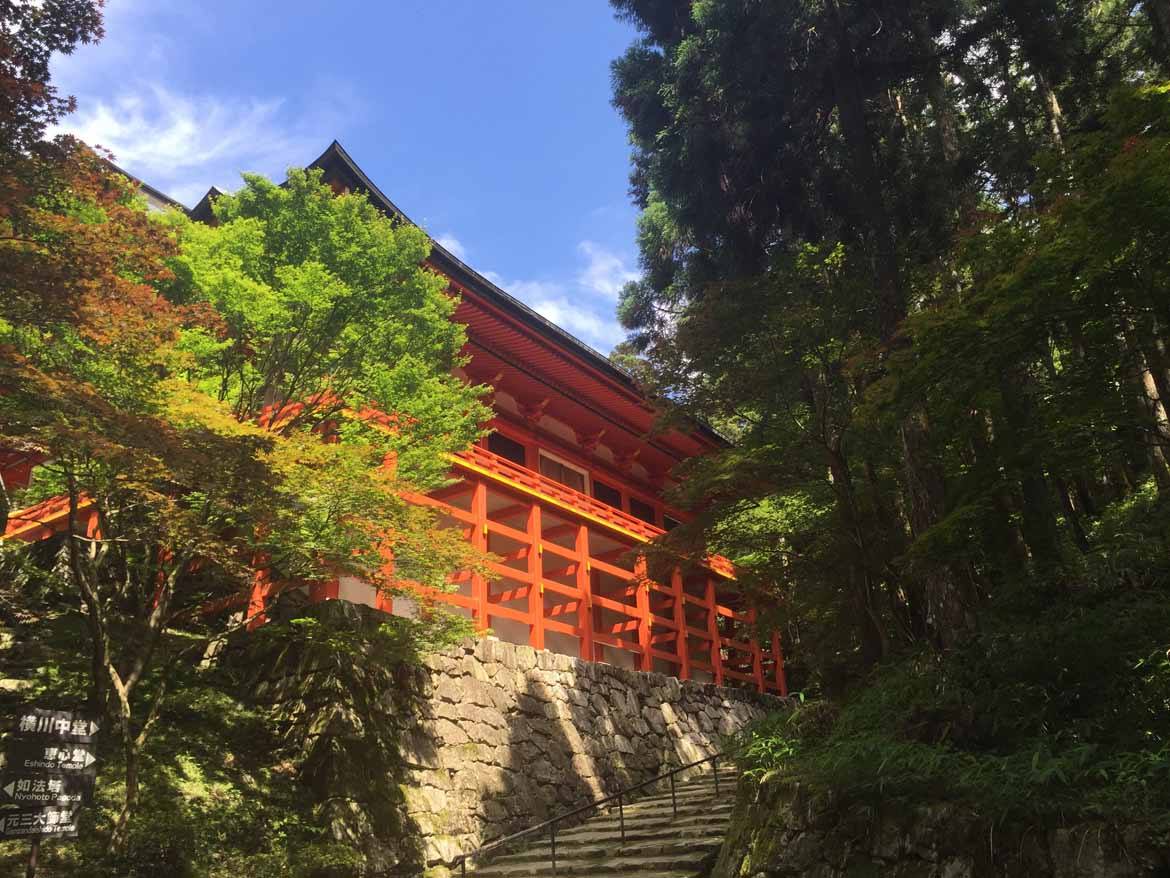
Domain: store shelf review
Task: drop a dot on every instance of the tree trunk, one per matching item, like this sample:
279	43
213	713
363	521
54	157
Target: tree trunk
1052	110
93	616
5	505
1037	515
948	609
936	93
1159	13
1156	368
133	756
869	201
1005	535
872	634
1015	108
1072	515
923	482
1158	424
1161	431
1086	497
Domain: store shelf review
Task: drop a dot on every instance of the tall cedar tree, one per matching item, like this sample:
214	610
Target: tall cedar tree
814	175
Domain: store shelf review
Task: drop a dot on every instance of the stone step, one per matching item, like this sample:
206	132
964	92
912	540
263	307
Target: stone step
660	846
664	836
649	830
682	794
589	833
639	828
690	788
615	867
709	808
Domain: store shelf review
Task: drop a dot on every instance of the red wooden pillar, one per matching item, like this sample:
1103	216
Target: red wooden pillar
778	654
258	596
680	619
642	595
479	539
713	632
585	587
757	657
383	600
92	523
536	571
325	590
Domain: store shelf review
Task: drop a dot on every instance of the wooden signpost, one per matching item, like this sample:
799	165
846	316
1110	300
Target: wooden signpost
49	771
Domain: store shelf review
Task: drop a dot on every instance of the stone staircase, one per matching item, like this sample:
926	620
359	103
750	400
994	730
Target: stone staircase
657	843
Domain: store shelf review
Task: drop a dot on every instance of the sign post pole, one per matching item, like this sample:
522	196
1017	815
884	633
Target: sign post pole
34	848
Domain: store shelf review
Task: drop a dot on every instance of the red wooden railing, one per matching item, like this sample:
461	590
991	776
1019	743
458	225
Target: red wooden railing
690	629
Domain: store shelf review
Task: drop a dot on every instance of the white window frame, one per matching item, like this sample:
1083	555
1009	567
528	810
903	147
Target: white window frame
588	481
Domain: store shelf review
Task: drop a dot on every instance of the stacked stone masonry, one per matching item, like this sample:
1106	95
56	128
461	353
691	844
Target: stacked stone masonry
505	736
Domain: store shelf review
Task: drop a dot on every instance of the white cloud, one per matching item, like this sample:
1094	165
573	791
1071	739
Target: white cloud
534	290
591	327
585	305
182	144
605	272
185	143
179	139
453	245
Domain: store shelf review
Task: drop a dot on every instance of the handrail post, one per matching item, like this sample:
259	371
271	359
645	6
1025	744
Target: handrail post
597	805
621	817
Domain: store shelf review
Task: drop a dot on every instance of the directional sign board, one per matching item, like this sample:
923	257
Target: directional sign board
49	770
37	823
35	789
25	755
64	725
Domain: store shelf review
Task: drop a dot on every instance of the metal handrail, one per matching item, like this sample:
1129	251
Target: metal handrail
619	796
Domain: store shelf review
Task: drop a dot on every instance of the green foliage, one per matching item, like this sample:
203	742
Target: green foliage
214	401
326	308
928	318
1063	715
917	268
392	642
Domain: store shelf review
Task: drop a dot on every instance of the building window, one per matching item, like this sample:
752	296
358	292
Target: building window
506	448
562	472
607	494
641	510
669	523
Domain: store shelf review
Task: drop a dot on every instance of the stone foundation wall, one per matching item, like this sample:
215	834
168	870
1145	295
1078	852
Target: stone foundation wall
415	764
781	830
509	735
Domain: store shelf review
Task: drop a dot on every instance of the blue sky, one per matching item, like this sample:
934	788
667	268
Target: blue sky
487	122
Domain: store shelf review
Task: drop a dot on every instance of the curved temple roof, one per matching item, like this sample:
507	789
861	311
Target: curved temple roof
525	346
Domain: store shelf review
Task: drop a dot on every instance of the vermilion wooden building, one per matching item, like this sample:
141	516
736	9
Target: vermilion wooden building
563	490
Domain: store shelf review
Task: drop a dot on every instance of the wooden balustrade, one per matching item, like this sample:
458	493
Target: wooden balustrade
548	577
